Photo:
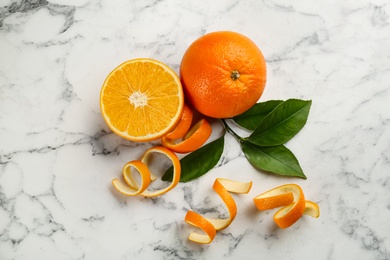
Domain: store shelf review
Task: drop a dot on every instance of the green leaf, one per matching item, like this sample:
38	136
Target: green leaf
252	117
282	123
198	162
276	159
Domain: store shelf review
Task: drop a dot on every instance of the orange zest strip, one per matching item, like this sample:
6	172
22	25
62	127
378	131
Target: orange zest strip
192	140
288	214
176	169
184	124
275	198
222	187
312	209
197	220
133	188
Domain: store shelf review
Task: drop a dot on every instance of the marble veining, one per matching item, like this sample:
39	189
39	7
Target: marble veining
57	156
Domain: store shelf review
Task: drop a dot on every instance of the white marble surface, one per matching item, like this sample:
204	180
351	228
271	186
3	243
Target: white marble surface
57	156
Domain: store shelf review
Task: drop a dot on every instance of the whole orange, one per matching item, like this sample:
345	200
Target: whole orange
223	74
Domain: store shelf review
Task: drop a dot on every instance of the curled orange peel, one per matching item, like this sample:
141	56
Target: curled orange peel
176	169
184	124
132	187
222	187
192	140
312	209
202	223
292	200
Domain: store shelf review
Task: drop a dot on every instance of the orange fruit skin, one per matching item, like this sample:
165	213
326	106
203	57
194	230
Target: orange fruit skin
208	74
184	124
197	136
288	215
274	201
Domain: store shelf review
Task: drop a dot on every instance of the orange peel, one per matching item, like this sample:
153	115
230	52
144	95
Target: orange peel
184	124
222	187
312	209
192	140
132	187
176	169
290	212
201	222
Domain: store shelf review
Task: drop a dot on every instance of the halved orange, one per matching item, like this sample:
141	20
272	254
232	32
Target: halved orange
290	212
142	100
184	124
192	140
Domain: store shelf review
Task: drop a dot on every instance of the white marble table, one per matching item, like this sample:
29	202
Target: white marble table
57	156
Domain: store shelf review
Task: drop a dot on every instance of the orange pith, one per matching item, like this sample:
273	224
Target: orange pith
132	187
312	209
142	100
192	140
222	187
223	74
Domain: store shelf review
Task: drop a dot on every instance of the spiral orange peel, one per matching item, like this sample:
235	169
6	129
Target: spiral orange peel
312	209
192	140
133	187
184	124
292	200
222	187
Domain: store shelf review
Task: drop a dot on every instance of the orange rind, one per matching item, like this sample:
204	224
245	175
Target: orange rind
192	140
183	126
132	187
202	223
222	187
176	169
312	209
290	212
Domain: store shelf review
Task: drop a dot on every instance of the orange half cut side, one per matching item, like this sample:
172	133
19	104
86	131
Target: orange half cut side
142	100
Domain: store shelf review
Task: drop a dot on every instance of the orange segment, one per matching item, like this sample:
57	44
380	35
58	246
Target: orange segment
133	188
193	140
288	214
176	169
184	124
312	209
142	100
197	220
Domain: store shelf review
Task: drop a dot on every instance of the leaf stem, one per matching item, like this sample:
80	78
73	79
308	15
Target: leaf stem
236	136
